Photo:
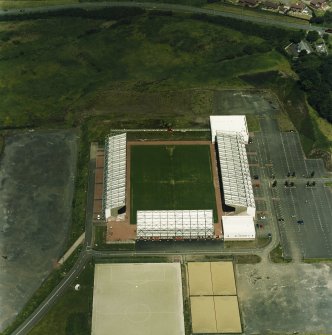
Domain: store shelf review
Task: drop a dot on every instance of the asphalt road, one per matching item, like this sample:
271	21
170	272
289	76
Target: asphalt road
164	6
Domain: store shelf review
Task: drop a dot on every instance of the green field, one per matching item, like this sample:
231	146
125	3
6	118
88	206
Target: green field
171	177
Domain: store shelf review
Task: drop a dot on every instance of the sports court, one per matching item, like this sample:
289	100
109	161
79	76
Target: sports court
213	299
171	177
137	299
211	278
215	314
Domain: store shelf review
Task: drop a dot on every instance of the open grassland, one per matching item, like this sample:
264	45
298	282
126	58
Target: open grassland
15	4
72	313
11	4
59	70
171	177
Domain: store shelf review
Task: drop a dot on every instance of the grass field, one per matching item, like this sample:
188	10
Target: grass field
171	177
72	312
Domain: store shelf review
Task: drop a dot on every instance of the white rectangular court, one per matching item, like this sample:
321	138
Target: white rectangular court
137	299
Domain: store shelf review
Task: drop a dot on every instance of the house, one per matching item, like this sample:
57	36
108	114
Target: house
283	9
304	46
318	3
298	7
271	5
249	3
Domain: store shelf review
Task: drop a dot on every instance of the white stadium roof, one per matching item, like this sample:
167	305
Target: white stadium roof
235	172
229	124
238	227
114	173
173	224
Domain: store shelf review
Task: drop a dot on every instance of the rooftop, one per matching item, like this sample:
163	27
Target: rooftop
175	224
229	124
114	173
235	174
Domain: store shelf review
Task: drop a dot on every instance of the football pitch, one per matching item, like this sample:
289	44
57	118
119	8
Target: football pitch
167	177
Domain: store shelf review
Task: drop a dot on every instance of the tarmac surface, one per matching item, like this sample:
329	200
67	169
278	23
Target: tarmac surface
285	298
303	212
36	178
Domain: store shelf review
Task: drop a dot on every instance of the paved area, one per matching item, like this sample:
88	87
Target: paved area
303	213
127	299
72	249
285	298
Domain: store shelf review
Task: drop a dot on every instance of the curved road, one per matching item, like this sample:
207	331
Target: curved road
164	6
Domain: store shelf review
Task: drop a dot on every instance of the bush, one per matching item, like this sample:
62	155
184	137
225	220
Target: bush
312	36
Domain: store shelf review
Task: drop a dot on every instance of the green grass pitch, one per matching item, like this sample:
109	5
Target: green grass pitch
165	177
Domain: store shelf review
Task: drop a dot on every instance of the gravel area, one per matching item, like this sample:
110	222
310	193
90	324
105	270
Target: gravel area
36	179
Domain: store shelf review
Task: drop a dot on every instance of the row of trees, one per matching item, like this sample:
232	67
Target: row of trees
325	19
315	73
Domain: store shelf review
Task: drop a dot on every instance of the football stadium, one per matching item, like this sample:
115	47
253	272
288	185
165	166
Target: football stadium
179	190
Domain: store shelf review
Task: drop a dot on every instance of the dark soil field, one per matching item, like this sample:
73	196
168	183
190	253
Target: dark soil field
36	179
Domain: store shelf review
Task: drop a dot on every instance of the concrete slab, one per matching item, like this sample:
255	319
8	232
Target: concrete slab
137	299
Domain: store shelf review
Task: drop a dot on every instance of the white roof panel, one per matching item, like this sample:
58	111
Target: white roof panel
115	173
230	124
234	168
238	227
175	223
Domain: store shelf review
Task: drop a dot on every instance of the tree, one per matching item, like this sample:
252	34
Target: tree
312	36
